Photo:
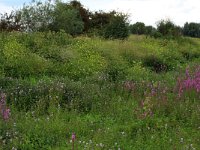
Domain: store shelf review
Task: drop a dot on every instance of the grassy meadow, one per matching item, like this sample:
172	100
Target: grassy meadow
138	94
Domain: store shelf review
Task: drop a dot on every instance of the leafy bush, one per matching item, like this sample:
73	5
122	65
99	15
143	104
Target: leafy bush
116	70
137	28
190	55
172	58
18	62
138	73
14	55
191	29
168	29
87	64
155	64
117	28
66	18
36	16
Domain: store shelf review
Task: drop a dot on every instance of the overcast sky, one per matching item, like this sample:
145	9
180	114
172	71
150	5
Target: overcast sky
147	11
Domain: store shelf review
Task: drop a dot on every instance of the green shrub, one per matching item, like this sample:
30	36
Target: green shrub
117	28
138	73
14	55
137	28
116	70
190	54
155	64
168	29
89	63
20	62
172	58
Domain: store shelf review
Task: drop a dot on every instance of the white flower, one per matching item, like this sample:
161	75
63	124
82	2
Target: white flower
101	145
181	140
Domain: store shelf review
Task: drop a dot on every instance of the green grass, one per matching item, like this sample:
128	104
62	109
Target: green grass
101	90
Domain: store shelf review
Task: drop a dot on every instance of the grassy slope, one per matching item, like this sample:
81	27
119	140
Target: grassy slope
80	85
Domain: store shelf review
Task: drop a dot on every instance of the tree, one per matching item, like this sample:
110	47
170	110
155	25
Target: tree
138	28
36	16
66	18
191	29
149	30
168	29
117	27
10	22
100	19
84	13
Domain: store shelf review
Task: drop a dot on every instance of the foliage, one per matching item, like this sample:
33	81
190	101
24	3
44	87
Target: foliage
149	30
138	28
100	19
168	29
10	22
110	94
84	13
66	18
191	29
17	60
89	63
36	16
156	64
117	28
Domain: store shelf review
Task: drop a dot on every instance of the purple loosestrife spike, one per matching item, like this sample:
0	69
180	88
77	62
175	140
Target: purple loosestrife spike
73	136
73	140
6	114
4	111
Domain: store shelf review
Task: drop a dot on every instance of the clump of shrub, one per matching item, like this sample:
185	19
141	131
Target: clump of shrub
18	63
116	70
190	54
117	28
156	64
138	73
168	29
86	64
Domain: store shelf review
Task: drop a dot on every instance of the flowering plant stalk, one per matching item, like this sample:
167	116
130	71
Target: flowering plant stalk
4	111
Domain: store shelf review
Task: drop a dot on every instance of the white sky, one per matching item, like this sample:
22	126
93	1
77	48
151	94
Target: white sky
147	11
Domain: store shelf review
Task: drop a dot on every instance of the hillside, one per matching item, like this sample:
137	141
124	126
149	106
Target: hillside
140	93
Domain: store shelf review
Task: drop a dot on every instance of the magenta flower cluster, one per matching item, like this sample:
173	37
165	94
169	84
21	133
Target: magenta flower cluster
190	82
4	111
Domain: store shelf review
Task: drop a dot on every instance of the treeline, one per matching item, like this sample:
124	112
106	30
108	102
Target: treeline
166	28
74	19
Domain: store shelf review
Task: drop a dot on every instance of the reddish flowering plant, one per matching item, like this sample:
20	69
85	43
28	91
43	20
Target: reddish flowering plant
73	136
129	85
73	140
190	82
4	111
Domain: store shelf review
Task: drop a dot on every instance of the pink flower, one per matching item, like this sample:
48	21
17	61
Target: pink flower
4	111
6	114
73	136
191	82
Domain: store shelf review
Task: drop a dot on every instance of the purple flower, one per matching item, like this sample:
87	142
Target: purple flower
191	82
6	114
4	111
73	136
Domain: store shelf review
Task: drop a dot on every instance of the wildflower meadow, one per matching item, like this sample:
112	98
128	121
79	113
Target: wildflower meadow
72	93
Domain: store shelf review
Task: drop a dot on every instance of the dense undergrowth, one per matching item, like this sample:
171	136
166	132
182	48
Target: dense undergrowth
141	93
